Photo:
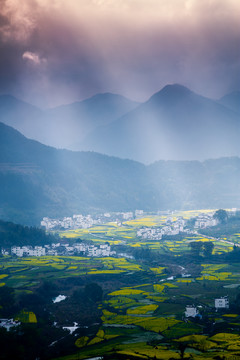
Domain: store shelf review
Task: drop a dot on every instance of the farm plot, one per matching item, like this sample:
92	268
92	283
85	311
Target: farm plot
27	272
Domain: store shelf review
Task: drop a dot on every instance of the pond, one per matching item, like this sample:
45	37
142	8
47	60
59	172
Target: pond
71	328
59	298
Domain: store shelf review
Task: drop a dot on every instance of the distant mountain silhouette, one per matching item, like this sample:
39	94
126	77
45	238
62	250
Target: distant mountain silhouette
174	124
22	116
69	124
37	180
232	101
63	126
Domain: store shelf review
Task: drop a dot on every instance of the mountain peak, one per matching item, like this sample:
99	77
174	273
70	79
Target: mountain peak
175	89
171	93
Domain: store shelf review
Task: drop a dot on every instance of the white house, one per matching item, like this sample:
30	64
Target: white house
127	215
191	311
17	250
138	213
8	323
222	303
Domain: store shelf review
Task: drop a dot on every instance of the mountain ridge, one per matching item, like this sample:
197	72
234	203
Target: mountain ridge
65	125
38	180
173	124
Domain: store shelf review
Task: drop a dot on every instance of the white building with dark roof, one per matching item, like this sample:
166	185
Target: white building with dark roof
222	303
191	311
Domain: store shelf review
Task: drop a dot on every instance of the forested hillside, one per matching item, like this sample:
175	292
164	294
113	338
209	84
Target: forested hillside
14	234
38	180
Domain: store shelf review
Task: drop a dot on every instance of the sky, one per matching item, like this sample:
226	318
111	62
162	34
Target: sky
59	51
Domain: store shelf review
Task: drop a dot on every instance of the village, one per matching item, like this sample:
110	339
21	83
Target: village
177	226
172	226
79	221
81	249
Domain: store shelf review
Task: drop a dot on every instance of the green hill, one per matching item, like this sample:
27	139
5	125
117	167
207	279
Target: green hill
38	180
18	235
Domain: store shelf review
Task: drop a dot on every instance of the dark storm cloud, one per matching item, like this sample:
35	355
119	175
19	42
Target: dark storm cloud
61	51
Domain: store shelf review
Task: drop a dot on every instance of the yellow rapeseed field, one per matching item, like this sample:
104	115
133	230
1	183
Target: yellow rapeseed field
142	309
158	288
2	276
127	292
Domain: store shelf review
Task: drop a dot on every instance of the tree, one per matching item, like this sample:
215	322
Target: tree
93	292
7	300
221	215
208	247
182	347
196	247
47	289
202	248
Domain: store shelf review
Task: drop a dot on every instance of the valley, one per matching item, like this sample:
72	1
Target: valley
133	305
119	180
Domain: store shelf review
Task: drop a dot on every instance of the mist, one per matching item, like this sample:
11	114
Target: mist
119	179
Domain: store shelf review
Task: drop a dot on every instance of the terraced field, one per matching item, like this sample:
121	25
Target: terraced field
146	321
142	316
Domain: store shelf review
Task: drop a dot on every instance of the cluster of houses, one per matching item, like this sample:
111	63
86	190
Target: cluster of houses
220	304
150	233
77	221
174	227
83	222
61	249
26	251
9	323
170	228
205	220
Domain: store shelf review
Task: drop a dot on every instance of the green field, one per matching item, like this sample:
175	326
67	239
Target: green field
141	312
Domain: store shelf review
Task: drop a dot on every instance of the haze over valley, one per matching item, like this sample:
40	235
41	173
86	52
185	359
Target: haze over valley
174	124
119	180
38	180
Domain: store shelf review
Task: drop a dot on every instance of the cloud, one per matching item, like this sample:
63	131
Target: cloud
130	47
33	58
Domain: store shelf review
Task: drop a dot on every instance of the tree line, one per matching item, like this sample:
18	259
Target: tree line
14	234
